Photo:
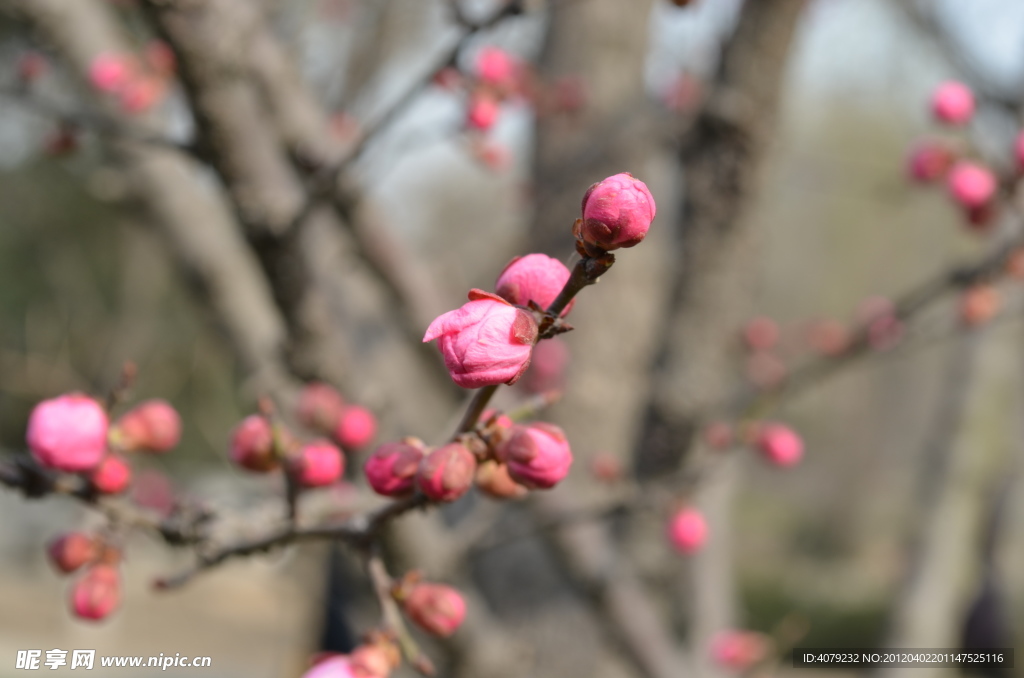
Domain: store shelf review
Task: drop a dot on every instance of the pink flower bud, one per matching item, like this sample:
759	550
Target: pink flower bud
151	426
929	161
570	94
320	407
738	650
436	608
72	550
252	445
828	338
112	476
496	67
547	367
109	72
486	342
493	480
334	666
317	464
535	277
138	95
718	435
1015	264
483	112
374	660
953	103
766	370
979	304
780	444
617	212
538	456
160	57
687	531
500	419
446	473
1018	150
761	334
68	433
391	469
97	593
357	427
971	185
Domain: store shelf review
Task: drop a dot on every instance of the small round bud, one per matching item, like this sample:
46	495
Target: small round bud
534	277
446	473
929	161
761	334
497	68
483	112
1018	150
435	608
780	444
160	58
391	469
1015	264
374	660
139	94
979	304
493	480
971	185
252	445
953	103
151	426
72	550
738	650
828	338
617	212
109	72
538	456
320	407
357	427
68	433
687	530
766	370
111	476
317	464
97	593
718	435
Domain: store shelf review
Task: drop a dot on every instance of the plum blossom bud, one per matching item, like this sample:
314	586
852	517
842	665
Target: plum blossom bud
765	370
72	550
435	608
492	479
718	435
617	212
1015	264
483	112
109	72
979	304
537	455
151	426
971	185
496	67
374	660
317	464
500	419
97	593
111	476
320	407
138	95
1018	150
334	666
68	433
160	57
252	445
356	428
486	342
687	530
446	473
391	469
547	367
738	650
535	277
761	334
953	103
929	161
780	444
828	338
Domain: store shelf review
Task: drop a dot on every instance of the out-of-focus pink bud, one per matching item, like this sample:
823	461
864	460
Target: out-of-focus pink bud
72	550
109	72
718	435
929	161
151	426
828	338
535	277
160	58
537	455
320	407
547	367
1015	264
111	476
435	608
97	593
391	469
31	66
971	185
684	93
357	427
1018	150
496	67
979	304
617	212
606	467
761	333
494	156
780	445
501	420
687	530
317	464
765	370
374	660
486	342
953	103
334	666
139	94
68	433
446	473
252	445
493	480
483	111
738	650
570	94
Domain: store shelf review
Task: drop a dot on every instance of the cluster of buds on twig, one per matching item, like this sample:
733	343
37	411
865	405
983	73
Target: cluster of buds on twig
136	83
